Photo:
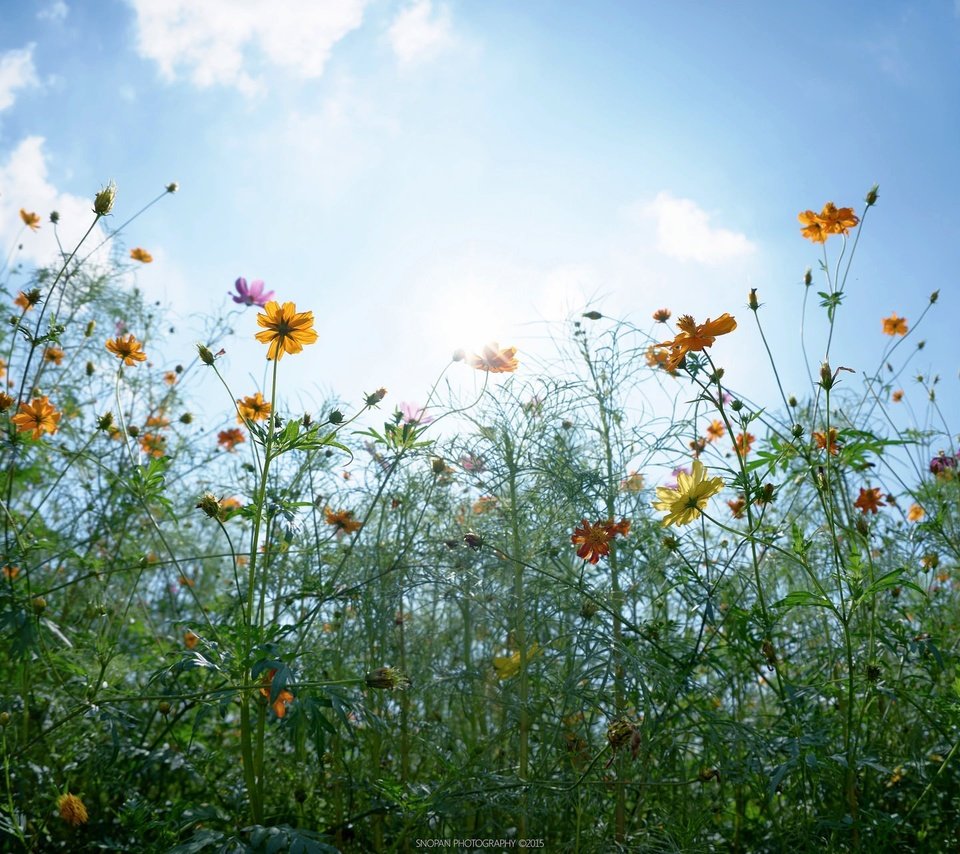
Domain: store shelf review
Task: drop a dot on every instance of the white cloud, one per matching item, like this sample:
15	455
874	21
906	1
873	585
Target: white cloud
684	232
24	184
212	41
419	33
56	12
16	72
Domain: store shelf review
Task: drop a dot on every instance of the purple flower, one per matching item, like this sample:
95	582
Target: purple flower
413	414
941	463
471	462
251	294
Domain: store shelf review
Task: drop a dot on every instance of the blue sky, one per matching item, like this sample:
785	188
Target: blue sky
425	175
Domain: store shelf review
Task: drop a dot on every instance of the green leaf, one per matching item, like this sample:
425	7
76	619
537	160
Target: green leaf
803	598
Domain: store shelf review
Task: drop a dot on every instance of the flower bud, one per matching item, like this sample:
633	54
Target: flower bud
737	405
826	376
437	465
934	296
871	197
797	431
459	355
39	604
792	401
387	678
163	707
336	417
103	202
90	369
89	330
186	418
4	718
808	277
592	315
376	397
133	431
205	355
172	187
208	504
104	422
54	217
752	300
475	541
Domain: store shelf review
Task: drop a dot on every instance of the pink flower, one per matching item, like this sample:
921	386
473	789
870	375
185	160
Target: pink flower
252	294
471	462
413	414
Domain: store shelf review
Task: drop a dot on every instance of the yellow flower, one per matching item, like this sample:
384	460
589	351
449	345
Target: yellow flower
39	417
30	219
141	255
495	360
694	336
253	408
72	810
285	329
813	227
715	431
127	348
915	513
509	665
633	482
894	325
684	503
837	220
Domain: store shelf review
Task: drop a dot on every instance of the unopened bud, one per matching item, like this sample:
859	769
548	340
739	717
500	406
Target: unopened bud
737	405
163	707
871	197
437	465
89	330
376	397
173	187
475	541
105	422
336	416
103	201
133	431
752	300
459	355
826	376
934	296
797	431
388	679
39	605
208	504
54	217
792	401
90	369
186	418
808	277
205	355
592	315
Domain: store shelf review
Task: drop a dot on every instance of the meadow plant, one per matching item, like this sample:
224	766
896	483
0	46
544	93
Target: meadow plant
500	617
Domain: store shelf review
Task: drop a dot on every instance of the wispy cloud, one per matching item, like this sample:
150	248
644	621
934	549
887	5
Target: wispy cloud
684	231
214	42
56	12
420	32
16	72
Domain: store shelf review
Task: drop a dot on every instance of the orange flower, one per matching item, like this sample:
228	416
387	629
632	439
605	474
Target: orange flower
31	220
153	444
915	513
662	315
342	520
813	227
26	301
72	809
127	348
594	540
285	329
284	698
190	640
822	443
53	354
484	504
170	377
897	396
11	572
737	506
5	401
695	336
715	431
838	220
894	325
495	360
253	408
744	443
229	439
869	500
141	255
658	357
158	420
633	482
39	417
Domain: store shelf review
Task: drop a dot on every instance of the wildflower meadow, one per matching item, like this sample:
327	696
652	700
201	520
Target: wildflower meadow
535	615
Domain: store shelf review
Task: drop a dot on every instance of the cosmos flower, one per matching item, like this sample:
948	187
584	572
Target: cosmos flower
285	329
915	513
594	539
127	348
831	220
30	219
869	500
252	294
54	355
284	698
684	503
509	665
141	255
37	417
229	439
894	325
495	360
715	430
822	441
662	315
342	520
694	336
253	408
413	414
